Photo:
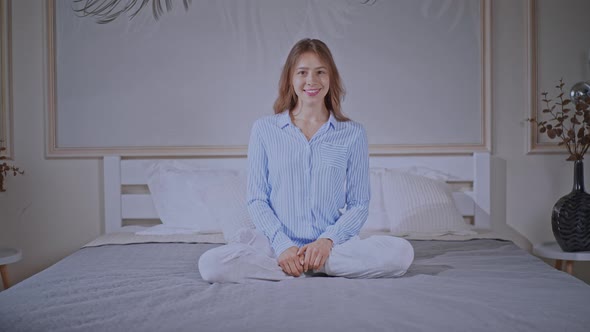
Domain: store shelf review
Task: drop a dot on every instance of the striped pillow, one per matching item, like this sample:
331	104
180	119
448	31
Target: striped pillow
421	206
377	221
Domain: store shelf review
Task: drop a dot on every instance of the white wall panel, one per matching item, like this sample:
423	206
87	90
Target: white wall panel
413	71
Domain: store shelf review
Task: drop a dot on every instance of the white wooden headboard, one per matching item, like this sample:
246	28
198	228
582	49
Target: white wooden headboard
127	199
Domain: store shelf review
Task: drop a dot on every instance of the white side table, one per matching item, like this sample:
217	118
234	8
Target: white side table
552	250
8	256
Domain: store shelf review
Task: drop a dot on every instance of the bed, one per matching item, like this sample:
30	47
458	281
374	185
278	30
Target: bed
136	279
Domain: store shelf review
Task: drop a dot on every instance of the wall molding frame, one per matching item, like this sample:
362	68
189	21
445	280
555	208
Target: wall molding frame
53	150
6	78
533	145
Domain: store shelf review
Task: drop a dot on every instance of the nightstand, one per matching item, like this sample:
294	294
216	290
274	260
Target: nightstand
552	250
8	256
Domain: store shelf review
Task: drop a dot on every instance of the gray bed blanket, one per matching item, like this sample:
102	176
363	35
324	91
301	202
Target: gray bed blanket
476	285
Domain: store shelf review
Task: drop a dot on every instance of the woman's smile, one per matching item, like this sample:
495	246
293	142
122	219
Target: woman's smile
312	92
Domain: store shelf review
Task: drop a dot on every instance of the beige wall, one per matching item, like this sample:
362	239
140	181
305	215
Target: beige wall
56	207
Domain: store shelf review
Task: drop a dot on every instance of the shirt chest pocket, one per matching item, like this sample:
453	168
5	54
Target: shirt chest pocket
334	155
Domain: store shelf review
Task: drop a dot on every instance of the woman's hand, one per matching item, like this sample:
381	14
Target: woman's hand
316	254
291	262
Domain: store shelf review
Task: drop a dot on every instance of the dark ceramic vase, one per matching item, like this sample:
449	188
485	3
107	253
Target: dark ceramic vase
570	219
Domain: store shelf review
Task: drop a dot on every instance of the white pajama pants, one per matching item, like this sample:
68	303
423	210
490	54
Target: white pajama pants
251	258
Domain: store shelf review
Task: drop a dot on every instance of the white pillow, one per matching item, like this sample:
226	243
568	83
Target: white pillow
179	194
421	206
227	202
427	172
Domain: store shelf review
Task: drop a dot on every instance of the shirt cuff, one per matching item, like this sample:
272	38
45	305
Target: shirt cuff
281	243
330	235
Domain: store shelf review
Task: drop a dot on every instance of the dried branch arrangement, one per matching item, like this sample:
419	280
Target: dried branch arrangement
6	168
571	126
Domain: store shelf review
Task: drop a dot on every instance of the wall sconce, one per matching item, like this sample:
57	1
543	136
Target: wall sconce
582	89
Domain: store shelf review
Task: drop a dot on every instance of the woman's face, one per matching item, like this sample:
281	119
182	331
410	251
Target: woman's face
310	80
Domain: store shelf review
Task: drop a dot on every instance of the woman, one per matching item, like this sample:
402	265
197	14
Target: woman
308	187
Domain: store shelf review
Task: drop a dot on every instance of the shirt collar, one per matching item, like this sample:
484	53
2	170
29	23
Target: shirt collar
332	121
285	120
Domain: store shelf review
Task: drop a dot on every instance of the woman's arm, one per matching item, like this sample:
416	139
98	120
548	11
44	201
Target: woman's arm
357	194
260	211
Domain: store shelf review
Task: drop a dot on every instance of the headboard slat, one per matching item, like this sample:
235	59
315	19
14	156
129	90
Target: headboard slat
112	193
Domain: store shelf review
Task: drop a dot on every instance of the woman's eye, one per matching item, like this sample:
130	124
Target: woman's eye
300	72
